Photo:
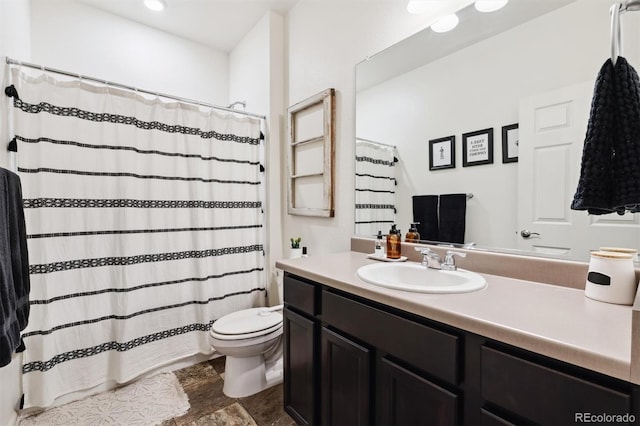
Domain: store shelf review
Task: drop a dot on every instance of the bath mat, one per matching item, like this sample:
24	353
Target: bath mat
145	402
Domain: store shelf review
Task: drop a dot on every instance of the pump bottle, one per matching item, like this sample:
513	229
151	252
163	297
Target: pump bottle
393	243
379	250
412	236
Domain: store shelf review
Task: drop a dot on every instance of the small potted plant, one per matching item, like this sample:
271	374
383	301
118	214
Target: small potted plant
295	250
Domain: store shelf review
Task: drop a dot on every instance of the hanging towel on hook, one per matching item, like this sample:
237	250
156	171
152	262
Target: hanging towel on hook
14	267
610	170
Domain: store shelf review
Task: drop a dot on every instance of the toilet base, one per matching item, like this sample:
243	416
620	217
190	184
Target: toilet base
247	376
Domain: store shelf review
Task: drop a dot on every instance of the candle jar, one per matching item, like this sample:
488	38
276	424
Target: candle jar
611	278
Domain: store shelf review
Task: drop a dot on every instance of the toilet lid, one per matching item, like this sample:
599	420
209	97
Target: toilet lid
248	321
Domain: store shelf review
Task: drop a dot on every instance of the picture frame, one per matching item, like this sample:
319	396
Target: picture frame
442	153
477	147
510	143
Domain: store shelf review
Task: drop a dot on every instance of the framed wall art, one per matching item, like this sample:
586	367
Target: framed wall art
510	143
477	148
442	153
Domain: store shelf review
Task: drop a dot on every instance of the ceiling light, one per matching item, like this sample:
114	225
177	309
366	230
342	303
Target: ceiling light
490	5
446	23
156	5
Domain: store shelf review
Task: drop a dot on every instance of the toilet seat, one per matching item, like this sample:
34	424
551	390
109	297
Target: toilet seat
246	324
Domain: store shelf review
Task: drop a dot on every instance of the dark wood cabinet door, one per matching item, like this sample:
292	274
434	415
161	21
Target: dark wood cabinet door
345	379
545	395
491	419
405	398
299	363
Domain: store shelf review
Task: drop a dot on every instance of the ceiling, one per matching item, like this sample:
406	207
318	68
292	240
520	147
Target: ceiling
219	24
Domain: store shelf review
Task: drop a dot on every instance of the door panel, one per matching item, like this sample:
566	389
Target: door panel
346	394
552	131
299	362
405	398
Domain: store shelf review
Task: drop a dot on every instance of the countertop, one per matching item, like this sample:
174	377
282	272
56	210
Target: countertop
551	320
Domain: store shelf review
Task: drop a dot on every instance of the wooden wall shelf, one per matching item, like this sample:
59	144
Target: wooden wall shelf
311	155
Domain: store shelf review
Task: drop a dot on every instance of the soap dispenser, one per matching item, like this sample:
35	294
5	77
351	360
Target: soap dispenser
379	250
393	243
412	236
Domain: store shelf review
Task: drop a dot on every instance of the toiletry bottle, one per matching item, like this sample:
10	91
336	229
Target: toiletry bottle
393	243
379	251
304	252
412	236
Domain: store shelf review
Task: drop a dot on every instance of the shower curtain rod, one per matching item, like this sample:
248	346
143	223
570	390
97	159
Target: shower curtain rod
375	142
134	89
629	5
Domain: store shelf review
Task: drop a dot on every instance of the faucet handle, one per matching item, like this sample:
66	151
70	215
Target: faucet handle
424	250
449	260
430	258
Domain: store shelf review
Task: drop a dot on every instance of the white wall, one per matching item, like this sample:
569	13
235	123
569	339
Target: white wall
75	37
15	42
256	76
326	39
482	88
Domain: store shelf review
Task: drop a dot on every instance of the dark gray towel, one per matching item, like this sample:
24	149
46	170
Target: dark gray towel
425	214
452	214
610	170
14	266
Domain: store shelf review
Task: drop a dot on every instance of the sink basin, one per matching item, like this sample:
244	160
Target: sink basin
417	278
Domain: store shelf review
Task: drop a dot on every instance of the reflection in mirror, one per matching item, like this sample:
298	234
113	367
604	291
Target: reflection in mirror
375	186
534	64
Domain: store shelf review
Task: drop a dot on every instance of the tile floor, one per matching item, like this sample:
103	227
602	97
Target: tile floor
210	407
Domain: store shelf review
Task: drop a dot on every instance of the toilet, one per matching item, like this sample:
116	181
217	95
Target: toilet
251	339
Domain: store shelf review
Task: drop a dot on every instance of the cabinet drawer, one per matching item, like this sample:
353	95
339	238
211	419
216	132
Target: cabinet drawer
423	347
544	395
301	295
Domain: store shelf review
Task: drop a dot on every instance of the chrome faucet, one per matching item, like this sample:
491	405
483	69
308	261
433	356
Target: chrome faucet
449	260
430	258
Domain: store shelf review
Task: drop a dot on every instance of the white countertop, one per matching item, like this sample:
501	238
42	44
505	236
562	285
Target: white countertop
555	321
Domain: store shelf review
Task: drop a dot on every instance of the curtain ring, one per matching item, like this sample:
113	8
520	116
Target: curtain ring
615	36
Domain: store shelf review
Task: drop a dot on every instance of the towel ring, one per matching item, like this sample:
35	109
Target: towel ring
615	37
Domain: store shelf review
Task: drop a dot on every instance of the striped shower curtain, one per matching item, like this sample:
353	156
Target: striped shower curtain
145	225
375	188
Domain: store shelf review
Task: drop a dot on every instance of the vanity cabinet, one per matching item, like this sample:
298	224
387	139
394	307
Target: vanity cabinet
352	361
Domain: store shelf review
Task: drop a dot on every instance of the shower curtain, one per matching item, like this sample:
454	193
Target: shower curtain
145	225
375	188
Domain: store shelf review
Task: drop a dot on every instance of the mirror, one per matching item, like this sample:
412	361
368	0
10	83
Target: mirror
431	87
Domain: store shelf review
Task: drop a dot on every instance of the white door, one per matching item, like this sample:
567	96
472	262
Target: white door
552	130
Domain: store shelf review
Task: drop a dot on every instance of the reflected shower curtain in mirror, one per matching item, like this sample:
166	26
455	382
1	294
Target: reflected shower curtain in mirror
375	188
144	222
